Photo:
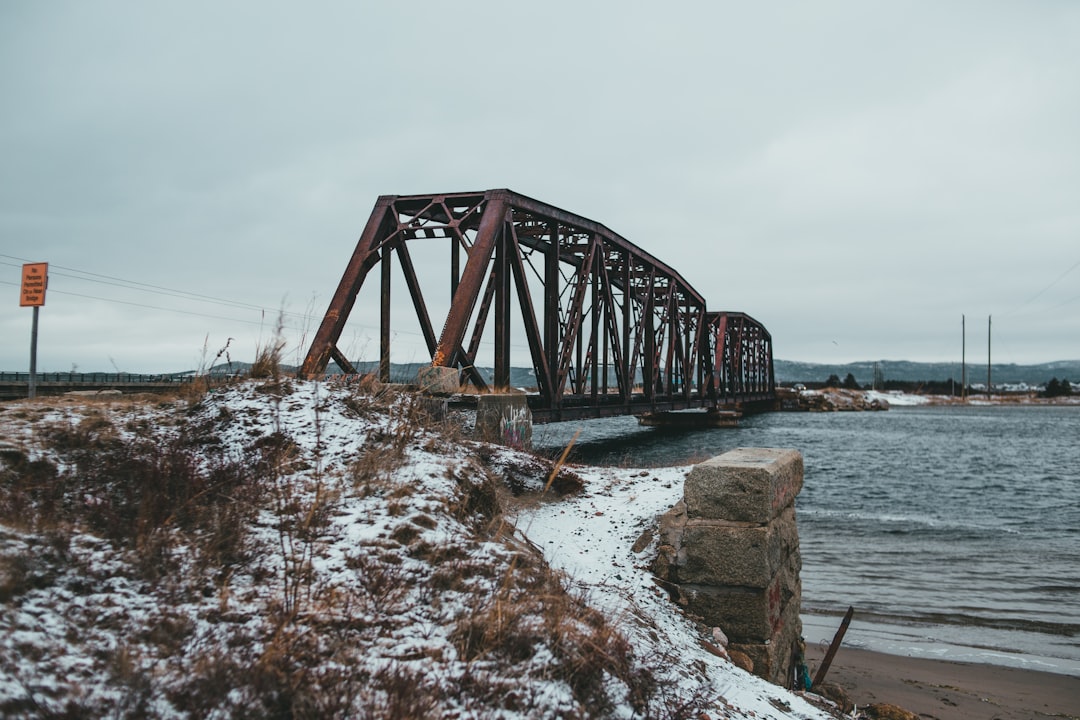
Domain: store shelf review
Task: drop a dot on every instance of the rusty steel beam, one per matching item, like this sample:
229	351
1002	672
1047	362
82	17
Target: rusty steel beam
362	261
608	327
472	277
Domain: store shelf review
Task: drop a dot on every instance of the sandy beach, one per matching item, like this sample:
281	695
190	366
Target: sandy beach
941	690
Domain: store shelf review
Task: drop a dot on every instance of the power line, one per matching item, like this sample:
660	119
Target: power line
1039	294
134	282
165	291
156	289
1066	302
144	306
184	295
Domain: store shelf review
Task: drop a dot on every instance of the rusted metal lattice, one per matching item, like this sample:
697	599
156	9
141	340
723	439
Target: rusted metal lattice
610	329
741	352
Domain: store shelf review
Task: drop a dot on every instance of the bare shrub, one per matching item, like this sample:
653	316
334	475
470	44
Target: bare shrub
371	474
405	533
479	502
369	397
212	676
127	673
303	504
667	701
383	585
30	496
425	521
533	609
33	705
15	576
189	390
138	494
399	693
267	361
268	355
457	575
298	674
529	477
408	416
91	430
168	633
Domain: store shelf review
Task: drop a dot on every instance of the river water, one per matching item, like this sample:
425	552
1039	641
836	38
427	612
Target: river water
954	531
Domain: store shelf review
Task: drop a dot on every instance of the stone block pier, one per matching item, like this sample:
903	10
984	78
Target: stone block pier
731	549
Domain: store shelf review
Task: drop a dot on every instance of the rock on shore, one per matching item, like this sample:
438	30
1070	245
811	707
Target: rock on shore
828	400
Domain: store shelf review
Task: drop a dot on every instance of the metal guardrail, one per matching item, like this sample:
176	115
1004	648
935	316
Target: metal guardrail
94	378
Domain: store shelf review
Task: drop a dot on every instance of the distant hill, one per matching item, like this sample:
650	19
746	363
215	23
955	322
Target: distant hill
791	371
788	372
399	372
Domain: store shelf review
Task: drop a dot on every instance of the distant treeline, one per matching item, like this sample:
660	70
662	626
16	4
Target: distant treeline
789	372
1052	388
892	375
923	387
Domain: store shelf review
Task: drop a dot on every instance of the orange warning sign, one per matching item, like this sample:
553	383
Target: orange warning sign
35	276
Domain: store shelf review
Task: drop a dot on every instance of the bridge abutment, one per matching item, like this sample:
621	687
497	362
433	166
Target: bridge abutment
731	547
438	380
505	419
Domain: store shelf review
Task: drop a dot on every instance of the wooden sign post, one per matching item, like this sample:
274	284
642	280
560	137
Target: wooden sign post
35	278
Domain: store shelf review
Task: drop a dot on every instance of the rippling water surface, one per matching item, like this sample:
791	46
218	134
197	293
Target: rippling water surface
953	531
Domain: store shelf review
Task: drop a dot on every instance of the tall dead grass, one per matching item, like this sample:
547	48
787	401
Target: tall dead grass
144	495
517	623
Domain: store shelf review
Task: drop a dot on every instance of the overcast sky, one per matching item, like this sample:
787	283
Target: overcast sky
855	175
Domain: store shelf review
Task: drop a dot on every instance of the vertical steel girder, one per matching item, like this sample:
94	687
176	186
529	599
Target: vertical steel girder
608	326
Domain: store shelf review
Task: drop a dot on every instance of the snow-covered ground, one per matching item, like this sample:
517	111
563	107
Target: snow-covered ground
591	536
897	398
370	576
1007	396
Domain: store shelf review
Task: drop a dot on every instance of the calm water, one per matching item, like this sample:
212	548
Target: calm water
953	531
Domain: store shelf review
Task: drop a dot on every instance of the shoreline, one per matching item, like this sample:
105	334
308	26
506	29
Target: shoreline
949	643
948	690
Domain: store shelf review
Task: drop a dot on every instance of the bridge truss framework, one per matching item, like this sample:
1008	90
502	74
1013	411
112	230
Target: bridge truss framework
610	329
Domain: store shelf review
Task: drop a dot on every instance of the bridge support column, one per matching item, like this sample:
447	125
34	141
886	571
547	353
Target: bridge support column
438	380
732	549
504	419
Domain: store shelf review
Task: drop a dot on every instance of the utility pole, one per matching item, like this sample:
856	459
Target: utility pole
31	384
35	278
963	357
989	319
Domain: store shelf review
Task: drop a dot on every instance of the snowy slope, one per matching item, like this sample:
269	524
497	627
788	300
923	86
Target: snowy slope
358	565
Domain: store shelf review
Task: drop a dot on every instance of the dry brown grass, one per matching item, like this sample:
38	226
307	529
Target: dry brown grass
150	496
142	494
533	609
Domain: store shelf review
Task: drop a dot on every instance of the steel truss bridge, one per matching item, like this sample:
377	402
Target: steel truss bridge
611	330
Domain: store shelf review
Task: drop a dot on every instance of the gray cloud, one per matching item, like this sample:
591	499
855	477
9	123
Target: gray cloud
854	175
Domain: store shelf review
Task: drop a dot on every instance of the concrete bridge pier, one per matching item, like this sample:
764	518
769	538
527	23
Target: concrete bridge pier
505	419
501	418
731	548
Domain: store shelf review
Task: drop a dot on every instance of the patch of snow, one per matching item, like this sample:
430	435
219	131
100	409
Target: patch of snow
590	537
897	398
